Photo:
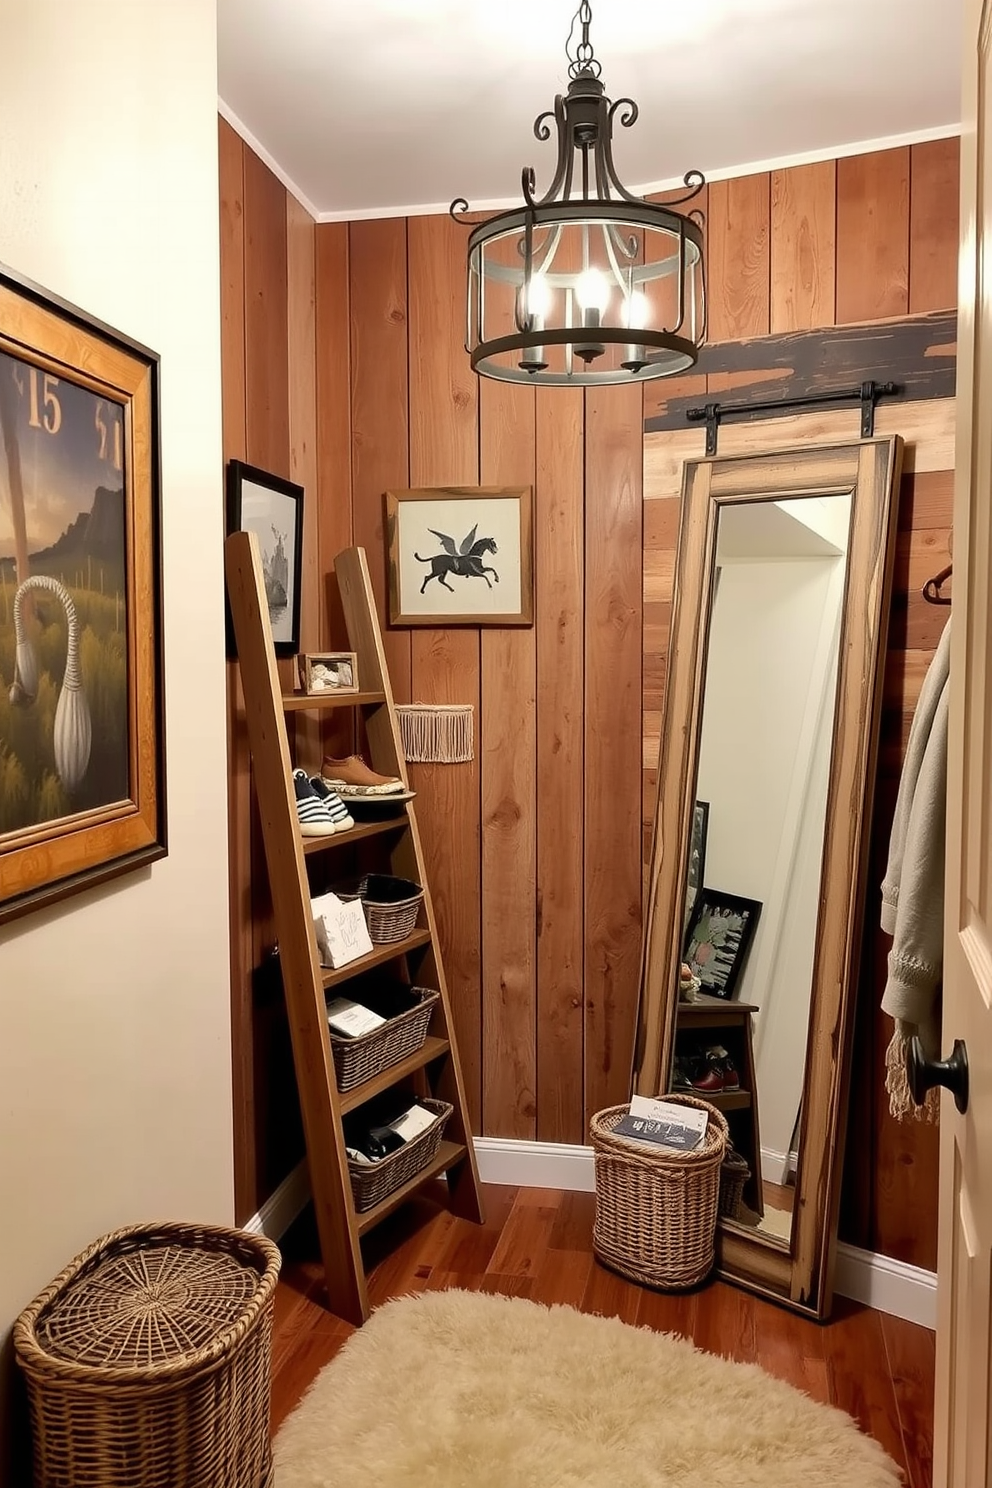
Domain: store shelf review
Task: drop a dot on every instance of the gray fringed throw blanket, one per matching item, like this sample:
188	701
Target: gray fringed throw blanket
913	891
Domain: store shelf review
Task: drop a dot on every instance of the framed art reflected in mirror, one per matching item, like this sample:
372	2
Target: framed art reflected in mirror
771	716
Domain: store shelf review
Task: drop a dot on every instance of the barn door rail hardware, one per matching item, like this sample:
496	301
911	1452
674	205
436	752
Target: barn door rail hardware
867	394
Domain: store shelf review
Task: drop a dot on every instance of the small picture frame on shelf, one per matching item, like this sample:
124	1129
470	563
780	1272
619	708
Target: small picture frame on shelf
328	671
718	939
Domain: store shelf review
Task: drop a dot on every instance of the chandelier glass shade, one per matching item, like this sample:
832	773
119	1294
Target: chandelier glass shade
588	284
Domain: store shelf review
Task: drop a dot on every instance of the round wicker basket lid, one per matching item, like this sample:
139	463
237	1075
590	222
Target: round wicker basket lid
149	1306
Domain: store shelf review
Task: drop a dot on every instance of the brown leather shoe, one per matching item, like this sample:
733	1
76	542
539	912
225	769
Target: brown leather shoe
352	777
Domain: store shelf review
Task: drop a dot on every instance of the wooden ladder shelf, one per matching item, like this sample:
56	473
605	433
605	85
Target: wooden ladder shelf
390	846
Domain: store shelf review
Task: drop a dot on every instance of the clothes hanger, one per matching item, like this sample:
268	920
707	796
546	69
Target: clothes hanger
931	589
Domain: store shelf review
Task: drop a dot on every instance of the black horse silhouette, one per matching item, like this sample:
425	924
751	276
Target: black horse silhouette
463	560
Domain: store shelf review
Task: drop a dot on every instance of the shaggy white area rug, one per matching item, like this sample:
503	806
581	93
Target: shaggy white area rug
468	1390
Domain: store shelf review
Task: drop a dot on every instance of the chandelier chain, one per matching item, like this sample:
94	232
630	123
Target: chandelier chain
583	60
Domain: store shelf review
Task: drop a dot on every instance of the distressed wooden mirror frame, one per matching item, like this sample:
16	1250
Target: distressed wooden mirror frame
798	1273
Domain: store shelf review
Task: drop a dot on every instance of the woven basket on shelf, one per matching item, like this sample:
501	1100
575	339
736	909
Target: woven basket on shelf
656	1210
391	905
147	1361
358	1059
734	1173
372	1183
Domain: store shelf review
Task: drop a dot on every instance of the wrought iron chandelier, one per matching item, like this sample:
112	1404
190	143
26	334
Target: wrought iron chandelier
588	284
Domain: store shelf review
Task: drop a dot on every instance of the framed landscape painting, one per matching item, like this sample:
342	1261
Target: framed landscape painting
81	737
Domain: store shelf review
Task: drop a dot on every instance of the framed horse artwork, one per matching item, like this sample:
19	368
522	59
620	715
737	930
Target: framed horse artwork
461	555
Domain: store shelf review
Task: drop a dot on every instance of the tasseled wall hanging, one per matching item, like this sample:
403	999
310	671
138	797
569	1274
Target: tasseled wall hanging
436	733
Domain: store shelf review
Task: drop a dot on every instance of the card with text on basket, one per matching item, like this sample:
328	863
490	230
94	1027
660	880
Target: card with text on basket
679	1128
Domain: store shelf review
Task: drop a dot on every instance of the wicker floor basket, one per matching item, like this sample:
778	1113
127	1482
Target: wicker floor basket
358	1059
147	1362
371	1184
391	906
734	1174
656	1210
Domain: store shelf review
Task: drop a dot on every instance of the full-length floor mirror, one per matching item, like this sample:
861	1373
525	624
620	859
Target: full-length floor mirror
757	872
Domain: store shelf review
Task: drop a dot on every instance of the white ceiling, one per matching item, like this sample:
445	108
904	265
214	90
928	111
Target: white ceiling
385	107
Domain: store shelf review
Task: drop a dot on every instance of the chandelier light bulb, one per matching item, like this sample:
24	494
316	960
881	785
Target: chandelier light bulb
537	298
636	310
592	291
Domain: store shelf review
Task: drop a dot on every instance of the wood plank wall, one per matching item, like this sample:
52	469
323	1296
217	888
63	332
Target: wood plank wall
533	847
861	239
344	368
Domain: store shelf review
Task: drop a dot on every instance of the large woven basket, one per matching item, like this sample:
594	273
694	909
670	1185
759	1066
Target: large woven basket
147	1362
734	1174
656	1210
358	1059
391	905
370	1184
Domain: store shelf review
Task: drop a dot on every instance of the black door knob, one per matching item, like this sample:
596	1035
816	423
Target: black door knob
923	1073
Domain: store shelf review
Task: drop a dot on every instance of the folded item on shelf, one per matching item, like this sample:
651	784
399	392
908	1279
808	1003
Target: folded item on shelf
352	1019
342	930
385	1124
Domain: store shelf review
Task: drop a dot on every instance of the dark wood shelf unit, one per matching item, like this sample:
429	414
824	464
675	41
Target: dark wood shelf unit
731	1022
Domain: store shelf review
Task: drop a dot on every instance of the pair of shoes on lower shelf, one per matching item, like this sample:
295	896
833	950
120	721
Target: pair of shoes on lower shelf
707	1072
319	810
352	777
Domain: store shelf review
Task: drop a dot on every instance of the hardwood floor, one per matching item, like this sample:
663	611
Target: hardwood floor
537	1243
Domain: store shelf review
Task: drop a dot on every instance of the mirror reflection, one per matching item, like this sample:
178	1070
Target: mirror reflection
756	850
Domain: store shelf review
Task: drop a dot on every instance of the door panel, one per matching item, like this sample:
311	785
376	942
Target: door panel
962	1415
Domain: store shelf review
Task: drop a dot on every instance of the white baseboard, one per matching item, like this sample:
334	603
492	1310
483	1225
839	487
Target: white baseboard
282	1207
875	1280
887	1285
535	1164
774	1166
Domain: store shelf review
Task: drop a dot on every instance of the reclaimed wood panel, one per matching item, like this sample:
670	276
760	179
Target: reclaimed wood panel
917	354
873	235
266	319
883	1171
302	330
737	255
935	170
508	740
445	664
803	246
275	1116
232	307
334	484
559	563
380	436
613	659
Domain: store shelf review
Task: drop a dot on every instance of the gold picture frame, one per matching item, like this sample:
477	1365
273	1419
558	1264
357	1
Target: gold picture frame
328	671
82	782
481	537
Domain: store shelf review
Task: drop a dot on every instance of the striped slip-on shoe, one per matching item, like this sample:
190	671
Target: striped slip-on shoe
333	805
313	816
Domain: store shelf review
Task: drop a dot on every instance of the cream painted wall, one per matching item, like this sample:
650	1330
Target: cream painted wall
115	1087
